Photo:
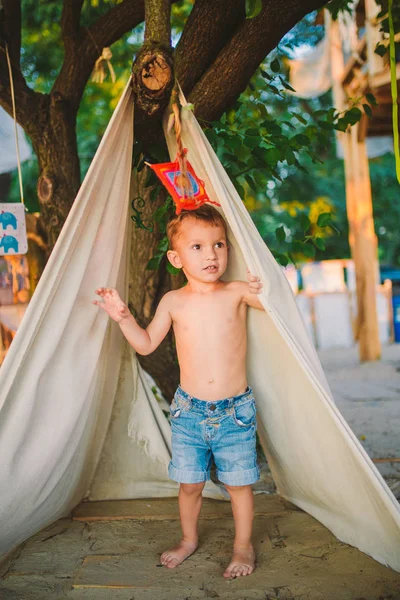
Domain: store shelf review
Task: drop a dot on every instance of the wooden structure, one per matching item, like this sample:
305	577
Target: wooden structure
356	71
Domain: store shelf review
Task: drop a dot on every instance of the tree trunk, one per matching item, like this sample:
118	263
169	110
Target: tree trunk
5	184
146	288
54	141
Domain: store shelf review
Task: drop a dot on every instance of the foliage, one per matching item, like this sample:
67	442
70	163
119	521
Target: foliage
268	137
277	149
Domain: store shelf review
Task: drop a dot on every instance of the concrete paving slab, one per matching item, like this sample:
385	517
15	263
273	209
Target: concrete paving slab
368	396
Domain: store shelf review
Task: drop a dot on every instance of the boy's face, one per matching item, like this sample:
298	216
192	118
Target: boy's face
201	250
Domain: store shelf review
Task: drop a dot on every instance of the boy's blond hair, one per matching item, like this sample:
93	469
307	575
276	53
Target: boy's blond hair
206	214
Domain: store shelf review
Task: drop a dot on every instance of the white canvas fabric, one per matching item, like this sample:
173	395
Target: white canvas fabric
8	153
310	73
78	418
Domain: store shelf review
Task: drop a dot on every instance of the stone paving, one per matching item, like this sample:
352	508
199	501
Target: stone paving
298	558
368	396
110	551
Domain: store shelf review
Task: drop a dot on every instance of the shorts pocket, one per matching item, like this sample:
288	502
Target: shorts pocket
174	409
245	415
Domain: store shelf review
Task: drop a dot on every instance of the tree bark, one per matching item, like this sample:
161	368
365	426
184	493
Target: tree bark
146	288
55	144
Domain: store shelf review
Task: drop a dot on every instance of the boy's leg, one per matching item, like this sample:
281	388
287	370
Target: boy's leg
243	558
190	500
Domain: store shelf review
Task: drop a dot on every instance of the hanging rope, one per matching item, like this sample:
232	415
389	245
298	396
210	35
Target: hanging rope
15	125
182	180
99	71
393	85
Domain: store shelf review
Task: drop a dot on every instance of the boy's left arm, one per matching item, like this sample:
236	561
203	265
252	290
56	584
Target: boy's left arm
251	291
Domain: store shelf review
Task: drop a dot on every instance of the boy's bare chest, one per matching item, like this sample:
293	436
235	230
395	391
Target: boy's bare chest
208	316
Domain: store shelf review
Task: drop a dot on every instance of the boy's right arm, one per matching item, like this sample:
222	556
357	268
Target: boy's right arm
144	341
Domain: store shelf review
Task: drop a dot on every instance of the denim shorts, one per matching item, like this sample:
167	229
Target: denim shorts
224	430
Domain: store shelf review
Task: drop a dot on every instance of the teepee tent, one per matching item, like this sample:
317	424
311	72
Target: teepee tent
77	416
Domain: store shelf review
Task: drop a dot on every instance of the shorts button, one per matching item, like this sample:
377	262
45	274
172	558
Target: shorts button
212	407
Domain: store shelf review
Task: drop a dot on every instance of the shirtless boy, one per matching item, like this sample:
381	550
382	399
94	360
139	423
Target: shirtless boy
213	413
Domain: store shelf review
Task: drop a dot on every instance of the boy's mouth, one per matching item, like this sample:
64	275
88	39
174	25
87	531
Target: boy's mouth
211	268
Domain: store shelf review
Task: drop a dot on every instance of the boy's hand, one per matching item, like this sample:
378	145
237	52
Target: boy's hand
255	285
112	304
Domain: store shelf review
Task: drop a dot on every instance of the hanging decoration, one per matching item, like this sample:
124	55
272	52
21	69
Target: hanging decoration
187	190
99	70
13	237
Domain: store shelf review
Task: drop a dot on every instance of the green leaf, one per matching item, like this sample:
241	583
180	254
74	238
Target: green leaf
154	263
320	243
275	65
252	131
308	250
239	189
301	139
273	156
290	157
304	222
371	99
341	125
162	245
286	85
266	75
274	90
281	259
171	269
353	115
368	110
253	7
328	126
324	219
280	234
300	118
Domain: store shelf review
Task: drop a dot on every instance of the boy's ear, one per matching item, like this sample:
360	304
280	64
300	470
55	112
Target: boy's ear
174	259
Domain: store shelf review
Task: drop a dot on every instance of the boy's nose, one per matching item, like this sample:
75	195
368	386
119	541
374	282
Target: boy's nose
211	254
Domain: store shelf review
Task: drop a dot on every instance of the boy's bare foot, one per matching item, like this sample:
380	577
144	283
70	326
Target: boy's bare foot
174	557
242	563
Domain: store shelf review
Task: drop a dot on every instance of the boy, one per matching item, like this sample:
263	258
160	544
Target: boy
213	411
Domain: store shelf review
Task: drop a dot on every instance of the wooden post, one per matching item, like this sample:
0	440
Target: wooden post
362	238
373	37
363	243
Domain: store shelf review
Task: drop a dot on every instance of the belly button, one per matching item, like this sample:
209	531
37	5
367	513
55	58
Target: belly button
211	381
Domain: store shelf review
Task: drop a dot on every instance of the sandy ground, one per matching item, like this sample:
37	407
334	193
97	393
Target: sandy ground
109	558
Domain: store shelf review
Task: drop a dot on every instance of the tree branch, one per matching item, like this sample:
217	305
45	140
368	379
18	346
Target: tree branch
158	22
208	28
70	19
81	55
27	101
118	20
231	71
12	28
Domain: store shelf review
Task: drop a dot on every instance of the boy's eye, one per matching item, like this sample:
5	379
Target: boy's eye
220	244
196	246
